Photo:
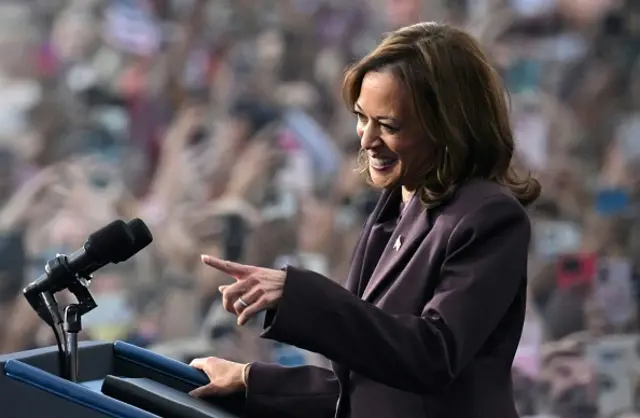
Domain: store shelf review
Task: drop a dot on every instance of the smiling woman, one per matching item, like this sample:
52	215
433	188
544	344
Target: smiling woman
432	113
430	315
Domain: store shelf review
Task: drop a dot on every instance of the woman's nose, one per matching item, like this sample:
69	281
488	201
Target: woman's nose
369	138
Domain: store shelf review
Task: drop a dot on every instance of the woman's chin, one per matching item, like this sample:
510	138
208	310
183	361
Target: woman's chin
384	177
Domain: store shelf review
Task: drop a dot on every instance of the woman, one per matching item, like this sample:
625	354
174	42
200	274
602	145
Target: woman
434	302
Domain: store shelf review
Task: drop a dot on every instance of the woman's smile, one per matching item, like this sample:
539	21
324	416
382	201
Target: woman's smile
382	164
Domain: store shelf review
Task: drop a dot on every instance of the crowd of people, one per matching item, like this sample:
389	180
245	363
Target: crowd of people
220	124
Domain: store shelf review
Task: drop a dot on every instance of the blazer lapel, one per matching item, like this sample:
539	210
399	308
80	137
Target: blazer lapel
412	227
358	259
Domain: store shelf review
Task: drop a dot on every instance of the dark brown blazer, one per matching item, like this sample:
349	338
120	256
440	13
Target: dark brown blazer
427	326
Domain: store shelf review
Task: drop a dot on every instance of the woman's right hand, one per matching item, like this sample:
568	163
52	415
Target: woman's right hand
226	377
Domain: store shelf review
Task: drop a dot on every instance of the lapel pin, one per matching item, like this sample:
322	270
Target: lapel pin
398	243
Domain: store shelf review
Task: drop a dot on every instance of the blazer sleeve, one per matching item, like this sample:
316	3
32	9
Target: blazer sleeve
275	391
484	267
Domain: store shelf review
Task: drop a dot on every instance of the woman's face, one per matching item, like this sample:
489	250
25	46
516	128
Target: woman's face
389	132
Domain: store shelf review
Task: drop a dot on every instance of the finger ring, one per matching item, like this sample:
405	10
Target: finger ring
243	303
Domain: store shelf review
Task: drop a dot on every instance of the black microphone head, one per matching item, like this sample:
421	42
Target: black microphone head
111	244
141	234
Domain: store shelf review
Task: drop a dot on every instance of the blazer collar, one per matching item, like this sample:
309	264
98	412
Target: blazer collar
389	205
382	211
413	226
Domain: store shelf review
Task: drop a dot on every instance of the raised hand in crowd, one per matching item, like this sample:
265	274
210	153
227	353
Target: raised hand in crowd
250	171
168	183
90	188
20	206
349	180
176	241
315	229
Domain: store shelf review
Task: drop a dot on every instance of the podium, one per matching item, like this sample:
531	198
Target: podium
114	380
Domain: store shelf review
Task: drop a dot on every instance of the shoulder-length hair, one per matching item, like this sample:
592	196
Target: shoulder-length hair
460	102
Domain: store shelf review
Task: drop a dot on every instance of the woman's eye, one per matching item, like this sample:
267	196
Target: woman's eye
361	117
389	129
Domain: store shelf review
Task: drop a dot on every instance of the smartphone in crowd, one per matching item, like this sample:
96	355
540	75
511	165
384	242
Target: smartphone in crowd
229	230
12	265
613	289
553	237
234	233
279	204
611	202
576	269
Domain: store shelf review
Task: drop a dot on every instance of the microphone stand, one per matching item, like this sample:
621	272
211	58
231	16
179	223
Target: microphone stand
46	306
72	327
73	323
55	321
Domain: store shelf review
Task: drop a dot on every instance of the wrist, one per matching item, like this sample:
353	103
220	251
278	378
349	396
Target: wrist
245	375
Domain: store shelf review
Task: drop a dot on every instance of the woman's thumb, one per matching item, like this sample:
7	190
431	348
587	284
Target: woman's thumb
202	391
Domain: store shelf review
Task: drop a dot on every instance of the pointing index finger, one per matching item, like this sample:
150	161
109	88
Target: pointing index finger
228	267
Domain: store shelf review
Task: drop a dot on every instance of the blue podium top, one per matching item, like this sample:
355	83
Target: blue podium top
160	364
37	370
71	391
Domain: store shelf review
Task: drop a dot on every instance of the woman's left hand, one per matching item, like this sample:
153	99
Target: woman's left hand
257	288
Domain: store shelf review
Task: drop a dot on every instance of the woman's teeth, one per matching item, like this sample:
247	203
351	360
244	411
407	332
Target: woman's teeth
378	162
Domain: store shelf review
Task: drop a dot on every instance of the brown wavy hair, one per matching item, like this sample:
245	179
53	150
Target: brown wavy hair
460	102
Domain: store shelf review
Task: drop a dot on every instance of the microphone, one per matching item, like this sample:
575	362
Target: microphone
141	235
114	243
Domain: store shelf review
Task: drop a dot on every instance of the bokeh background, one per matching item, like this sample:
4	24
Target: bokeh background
219	122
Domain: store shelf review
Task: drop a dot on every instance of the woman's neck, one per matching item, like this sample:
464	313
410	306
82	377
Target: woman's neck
406	195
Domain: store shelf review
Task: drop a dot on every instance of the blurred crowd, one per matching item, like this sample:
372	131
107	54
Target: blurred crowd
220	124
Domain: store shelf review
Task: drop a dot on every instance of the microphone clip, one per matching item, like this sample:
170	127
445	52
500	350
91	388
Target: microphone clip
58	276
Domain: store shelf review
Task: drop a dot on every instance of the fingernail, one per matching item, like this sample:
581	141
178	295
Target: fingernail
204	257
221	288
